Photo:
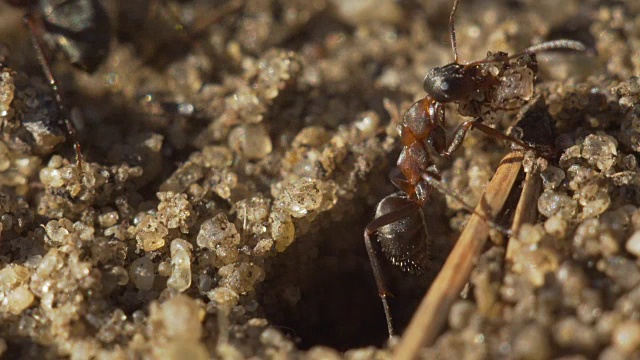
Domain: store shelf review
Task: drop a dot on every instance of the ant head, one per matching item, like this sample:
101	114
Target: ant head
448	83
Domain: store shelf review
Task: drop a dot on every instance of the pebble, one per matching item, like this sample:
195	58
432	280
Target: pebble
626	335
633	244
180	279
141	273
532	343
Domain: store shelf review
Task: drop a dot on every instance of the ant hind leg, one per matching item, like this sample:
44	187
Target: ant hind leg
373	251
441	187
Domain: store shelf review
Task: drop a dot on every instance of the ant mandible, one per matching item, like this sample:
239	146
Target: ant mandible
399	221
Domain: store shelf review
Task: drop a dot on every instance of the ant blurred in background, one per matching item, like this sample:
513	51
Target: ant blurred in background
80	30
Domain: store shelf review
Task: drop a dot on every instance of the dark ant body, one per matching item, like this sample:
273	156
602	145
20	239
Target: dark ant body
80	30
399	224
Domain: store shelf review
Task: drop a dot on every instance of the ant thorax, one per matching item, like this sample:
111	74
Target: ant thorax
504	86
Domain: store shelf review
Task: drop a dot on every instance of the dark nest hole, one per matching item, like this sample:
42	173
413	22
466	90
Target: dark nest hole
337	303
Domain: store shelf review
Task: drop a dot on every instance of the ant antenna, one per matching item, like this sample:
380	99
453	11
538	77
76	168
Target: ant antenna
552	45
46	67
452	30
538	48
190	34
165	8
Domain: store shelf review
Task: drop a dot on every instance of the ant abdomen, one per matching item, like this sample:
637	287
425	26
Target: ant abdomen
398	239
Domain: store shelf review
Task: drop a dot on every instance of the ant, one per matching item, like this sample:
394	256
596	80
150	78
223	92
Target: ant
80	30
399	229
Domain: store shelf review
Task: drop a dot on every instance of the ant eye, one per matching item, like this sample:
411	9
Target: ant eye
445	86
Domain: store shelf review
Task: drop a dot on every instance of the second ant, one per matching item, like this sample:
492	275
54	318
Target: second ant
81	32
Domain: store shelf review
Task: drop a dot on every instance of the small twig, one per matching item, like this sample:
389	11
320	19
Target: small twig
527	209
432	313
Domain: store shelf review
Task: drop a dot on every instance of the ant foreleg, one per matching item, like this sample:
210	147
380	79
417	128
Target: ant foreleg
34	30
461	132
373	251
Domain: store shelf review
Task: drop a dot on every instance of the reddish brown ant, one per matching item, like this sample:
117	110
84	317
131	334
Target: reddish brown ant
399	221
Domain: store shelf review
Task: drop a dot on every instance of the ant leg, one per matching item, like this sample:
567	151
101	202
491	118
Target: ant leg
461	132
223	10
452	30
190	34
458	136
501	136
166	10
34	30
433	181
505	108
374	254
